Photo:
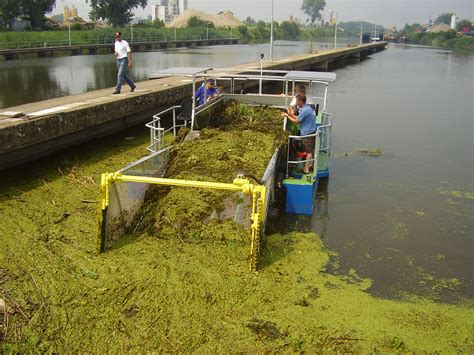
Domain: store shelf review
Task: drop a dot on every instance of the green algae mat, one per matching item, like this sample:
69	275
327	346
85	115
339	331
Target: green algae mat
154	294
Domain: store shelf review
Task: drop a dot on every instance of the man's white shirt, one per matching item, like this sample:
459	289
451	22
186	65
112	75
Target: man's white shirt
122	49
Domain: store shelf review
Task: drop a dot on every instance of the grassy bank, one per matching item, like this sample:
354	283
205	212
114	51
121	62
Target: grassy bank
154	294
246	34
26	38
443	40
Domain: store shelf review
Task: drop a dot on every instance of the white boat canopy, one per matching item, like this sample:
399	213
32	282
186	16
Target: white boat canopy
310	75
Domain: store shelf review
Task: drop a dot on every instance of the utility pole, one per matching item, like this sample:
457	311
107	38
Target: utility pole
69	30
271	35
335	28
207	31
360	40
131	32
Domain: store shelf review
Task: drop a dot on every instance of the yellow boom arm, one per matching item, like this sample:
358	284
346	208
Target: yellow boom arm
240	184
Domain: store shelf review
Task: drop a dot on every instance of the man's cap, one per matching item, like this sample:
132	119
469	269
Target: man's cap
210	81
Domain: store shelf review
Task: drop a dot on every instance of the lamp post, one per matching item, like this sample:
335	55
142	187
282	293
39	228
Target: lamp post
360	39
335	27
69	32
207	31
271	35
131	32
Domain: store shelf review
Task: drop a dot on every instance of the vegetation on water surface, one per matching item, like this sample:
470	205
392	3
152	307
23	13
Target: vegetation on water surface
151	294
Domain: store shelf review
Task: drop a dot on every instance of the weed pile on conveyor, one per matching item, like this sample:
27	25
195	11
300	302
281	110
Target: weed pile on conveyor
243	143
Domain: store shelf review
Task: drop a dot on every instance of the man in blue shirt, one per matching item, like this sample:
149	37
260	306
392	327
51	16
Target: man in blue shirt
306	119
206	92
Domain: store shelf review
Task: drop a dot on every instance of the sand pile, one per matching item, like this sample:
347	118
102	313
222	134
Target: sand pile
223	19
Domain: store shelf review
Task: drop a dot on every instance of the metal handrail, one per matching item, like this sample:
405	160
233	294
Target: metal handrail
105	41
157	133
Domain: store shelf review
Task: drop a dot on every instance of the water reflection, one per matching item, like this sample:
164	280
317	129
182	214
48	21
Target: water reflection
35	82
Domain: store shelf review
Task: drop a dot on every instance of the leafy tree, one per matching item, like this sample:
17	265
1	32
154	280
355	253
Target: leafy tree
157	23
290	30
244	33
353	27
463	24
412	28
313	8
195	21
34	11
250	21
116	12
444	18
9	10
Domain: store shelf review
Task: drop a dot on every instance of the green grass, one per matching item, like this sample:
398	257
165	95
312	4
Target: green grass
38	38
246	34
154	294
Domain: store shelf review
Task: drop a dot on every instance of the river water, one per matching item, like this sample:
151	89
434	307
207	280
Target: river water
404	219
28	80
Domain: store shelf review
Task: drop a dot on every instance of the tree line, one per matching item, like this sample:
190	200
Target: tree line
416	33
441	19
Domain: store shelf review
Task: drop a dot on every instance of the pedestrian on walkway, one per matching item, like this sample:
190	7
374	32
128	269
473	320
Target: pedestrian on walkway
124	62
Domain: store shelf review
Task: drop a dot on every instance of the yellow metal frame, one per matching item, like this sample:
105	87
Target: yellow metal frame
247	187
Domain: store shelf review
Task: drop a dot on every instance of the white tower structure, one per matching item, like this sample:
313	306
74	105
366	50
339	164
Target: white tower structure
454	22
182	6
167	10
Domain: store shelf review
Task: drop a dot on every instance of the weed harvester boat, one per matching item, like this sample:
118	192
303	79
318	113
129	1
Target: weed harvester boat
123	193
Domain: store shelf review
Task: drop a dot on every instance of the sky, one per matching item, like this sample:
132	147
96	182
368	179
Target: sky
385	12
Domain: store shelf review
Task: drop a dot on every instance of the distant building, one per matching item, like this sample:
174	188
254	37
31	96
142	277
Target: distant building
442	27
454	22
20	25
69	13
291	18
182	6
168	10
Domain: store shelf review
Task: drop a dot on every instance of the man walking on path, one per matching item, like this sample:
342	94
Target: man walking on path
124	62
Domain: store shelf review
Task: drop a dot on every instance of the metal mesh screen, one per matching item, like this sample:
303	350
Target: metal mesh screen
126	199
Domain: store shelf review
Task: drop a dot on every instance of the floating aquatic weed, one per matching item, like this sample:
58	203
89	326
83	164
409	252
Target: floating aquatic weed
459	194
371	153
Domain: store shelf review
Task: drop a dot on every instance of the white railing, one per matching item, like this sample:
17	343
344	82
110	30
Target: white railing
158	133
